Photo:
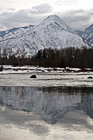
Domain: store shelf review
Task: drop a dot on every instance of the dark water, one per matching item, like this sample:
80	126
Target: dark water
51	103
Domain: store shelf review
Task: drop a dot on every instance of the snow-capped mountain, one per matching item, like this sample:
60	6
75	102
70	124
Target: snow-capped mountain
87	35
2	33
50	33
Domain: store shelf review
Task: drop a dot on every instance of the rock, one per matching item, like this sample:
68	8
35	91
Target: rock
90	77
33	76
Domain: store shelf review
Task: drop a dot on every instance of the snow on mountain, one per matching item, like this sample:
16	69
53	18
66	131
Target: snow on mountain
2	33
87	35
50	33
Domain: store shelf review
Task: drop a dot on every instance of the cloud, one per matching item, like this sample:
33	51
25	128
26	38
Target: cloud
91	12
42	8
24	17
66	2
78	19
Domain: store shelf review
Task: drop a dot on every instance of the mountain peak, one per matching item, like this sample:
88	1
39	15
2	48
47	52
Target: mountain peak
89	29
54	18
54	21
50	33
87	35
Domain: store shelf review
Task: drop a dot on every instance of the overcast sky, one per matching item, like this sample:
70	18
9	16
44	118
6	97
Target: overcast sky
16	13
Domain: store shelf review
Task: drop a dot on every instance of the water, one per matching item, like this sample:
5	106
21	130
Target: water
50	103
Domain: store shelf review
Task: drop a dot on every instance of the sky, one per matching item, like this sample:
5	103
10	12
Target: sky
78	14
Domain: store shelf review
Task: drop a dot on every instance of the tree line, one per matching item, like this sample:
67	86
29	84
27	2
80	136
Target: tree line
66	57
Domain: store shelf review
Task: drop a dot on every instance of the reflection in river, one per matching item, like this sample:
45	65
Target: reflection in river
51	103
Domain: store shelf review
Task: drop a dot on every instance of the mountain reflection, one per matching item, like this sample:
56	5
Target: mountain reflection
51	103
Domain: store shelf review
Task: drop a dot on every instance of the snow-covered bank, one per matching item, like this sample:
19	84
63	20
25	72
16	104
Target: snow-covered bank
19	125
29	69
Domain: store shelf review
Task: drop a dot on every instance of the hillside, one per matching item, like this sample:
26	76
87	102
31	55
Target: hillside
87	35
50	33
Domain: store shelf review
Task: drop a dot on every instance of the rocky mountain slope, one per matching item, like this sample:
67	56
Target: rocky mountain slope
87	35
51	32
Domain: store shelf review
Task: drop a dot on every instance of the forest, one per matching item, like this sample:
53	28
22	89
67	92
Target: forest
66	57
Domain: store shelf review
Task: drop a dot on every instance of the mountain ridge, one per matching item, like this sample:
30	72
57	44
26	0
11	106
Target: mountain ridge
87	35
52	32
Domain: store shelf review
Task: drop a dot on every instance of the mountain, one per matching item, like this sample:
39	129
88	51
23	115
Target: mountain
87	35
50	33
2	33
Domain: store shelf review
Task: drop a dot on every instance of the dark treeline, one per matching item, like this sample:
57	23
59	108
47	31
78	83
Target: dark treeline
17	58
66	57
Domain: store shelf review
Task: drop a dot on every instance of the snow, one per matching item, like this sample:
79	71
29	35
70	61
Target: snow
50	33
29	69
74	69
87	35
